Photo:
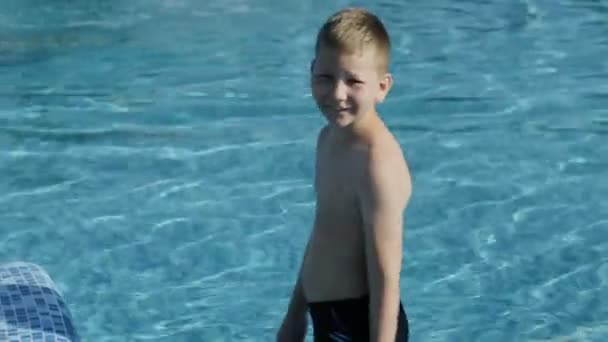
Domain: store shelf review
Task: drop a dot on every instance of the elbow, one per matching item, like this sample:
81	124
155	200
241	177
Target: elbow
384	284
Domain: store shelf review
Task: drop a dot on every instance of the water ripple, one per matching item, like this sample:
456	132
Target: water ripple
181	176
42	191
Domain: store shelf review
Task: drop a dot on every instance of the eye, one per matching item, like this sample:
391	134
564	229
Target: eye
355	81
323	78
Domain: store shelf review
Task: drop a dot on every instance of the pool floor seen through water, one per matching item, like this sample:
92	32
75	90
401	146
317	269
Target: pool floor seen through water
157	161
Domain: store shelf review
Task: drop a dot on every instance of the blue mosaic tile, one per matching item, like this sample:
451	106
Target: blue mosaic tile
31	306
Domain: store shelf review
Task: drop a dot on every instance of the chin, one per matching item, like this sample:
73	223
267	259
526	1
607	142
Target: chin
341	120
342	123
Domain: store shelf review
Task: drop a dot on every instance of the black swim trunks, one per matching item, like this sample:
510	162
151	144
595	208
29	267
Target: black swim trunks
348	320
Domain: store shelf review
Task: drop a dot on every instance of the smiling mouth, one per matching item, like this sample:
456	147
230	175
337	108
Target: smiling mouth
339	109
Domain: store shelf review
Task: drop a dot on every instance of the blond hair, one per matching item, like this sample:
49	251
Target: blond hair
352	30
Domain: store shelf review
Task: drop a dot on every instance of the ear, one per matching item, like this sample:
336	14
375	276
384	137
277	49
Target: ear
312	64
386	82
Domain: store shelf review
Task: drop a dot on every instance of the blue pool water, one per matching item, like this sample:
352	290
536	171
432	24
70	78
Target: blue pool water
156	159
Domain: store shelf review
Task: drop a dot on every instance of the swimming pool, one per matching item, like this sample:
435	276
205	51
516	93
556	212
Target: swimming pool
157	161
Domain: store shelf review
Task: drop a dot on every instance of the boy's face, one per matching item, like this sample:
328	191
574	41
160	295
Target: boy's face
346	87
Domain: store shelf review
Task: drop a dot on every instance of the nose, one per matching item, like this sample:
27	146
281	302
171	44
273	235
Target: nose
340	90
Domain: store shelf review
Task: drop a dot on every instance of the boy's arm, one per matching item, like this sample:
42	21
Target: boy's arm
294	325
384	196
297	304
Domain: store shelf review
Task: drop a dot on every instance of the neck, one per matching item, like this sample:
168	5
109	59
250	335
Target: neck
359	130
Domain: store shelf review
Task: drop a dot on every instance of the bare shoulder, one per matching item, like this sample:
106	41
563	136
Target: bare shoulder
386	174
321	137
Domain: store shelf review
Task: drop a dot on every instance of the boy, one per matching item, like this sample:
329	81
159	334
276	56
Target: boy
349	277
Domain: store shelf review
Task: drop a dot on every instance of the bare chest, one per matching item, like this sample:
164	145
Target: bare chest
336	184
336	180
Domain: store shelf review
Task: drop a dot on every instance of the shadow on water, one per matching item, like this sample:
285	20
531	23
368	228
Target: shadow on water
84	136
35	45
600	6
596	127
33	31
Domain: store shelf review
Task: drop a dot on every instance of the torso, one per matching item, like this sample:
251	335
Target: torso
334	264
